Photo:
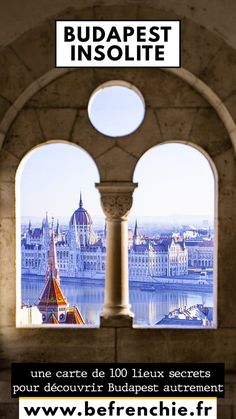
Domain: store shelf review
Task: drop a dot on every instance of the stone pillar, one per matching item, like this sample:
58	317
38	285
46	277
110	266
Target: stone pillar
116	200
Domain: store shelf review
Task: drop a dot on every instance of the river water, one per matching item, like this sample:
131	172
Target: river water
148	303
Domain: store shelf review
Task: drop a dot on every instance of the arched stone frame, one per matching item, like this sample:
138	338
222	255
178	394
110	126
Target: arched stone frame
104	150
202	88
19	171
213	168
207	54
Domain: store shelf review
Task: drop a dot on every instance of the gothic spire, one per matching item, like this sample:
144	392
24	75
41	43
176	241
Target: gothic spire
52	301
105	229
136	229
46	220
58	228
136	236
80	201
209	232
52	268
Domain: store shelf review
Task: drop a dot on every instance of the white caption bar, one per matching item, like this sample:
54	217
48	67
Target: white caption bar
118	43
61	408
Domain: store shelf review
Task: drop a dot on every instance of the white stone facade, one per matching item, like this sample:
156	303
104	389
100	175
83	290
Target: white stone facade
201	254
80	253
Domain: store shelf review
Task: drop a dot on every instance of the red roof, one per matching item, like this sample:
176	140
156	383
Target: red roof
73	316
52	319
52	295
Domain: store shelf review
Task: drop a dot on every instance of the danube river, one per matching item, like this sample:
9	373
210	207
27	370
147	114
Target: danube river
149	303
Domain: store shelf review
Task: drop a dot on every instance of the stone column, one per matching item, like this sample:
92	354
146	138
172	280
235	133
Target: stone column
116	200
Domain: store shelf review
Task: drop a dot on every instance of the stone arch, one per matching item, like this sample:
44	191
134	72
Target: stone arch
190	143
77	129
196	83
18	172
224	160
216	175
27	152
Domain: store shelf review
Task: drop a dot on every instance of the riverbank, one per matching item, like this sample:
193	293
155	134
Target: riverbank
151	285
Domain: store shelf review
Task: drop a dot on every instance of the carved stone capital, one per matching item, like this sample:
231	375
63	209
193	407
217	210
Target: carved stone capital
116	205
116	198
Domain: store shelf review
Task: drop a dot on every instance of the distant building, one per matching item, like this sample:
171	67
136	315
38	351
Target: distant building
200	253
81	253
157	257
190	232
194	316
30	315
205	224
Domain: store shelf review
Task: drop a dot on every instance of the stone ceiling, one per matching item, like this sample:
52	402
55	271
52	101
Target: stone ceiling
218	16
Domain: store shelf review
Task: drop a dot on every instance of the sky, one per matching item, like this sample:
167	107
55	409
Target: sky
174	179
116	111
53	177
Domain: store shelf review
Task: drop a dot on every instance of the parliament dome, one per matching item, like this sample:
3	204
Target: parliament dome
81	216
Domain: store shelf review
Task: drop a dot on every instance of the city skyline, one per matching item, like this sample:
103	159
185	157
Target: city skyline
182	261
60	178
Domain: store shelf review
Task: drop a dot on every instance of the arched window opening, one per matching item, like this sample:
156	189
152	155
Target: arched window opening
60	227
173	238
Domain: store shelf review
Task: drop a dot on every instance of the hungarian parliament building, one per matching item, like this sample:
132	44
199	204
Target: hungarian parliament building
81	252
